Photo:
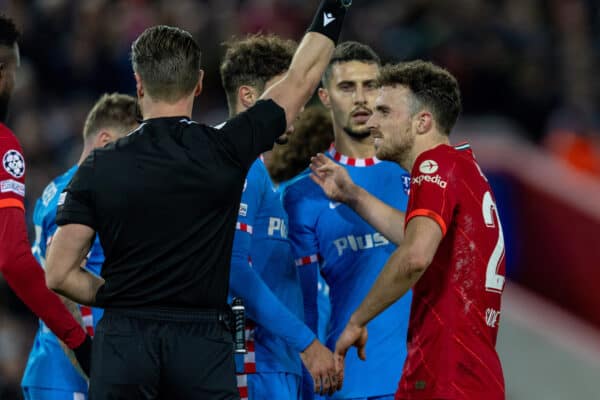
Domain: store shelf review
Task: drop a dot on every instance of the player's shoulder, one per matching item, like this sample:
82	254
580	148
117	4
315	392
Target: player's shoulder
257	176
49	198
389	168
11	155
7	137
301	186
440	158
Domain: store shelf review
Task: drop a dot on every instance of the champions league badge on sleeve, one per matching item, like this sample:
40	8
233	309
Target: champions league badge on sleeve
14	163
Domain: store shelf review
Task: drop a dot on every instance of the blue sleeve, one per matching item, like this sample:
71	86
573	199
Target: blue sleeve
39	245
261	304
306	250
309	279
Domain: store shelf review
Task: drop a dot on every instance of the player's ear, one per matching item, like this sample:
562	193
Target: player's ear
247	96
198	89
424	122
324	97
103	138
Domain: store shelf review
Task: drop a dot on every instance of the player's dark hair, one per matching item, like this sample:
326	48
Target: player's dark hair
432	87
167	60
116	111
8	31
350	51
313	133
253	61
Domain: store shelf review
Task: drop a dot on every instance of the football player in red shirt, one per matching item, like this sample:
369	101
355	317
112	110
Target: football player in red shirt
450	244
17	265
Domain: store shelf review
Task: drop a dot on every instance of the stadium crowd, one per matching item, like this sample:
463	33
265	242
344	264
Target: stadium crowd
530	63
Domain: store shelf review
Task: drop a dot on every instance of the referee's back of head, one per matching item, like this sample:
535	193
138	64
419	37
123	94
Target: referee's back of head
167	60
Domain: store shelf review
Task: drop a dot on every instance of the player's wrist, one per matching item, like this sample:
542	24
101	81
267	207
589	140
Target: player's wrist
353	194
329	18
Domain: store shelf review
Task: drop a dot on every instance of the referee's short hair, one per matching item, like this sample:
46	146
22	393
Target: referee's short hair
350	51
253	61
115	111
168	61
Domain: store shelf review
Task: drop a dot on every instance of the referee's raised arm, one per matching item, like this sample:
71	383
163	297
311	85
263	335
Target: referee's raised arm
310	60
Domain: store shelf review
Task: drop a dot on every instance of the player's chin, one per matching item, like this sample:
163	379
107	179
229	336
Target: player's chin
381	153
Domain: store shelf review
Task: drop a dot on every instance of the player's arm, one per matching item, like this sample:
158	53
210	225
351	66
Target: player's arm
402	270
64	274
310	60
24	275
338	186
261	304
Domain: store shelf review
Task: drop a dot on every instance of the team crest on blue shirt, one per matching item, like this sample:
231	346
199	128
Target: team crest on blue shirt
406	183
14	163
49	194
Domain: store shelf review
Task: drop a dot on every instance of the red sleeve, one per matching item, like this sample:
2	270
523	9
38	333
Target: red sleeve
12	170
432	189
26	278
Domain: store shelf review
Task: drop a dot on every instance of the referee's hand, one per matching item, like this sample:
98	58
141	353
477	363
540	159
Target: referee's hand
319	361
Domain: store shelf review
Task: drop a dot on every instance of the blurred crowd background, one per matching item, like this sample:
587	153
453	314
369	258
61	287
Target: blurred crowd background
528	68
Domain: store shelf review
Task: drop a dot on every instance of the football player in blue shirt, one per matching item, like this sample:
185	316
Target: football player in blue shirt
330	239
49	374
262	266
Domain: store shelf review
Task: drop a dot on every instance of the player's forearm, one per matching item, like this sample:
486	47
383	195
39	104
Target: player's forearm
265	308
385	219
399	274
26	278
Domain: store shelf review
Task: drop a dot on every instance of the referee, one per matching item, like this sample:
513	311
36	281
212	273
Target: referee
164	201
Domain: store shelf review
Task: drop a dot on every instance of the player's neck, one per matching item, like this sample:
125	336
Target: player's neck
423	144
267	157
87	149
160	109
355	148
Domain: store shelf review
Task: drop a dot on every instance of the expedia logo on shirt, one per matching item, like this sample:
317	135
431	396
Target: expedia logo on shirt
431	179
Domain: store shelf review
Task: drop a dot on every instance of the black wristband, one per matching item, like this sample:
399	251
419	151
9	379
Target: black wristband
329	18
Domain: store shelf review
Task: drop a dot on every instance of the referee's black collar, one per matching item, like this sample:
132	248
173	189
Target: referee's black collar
166	119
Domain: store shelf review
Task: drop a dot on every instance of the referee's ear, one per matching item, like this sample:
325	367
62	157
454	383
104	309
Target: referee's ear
198	89
139	86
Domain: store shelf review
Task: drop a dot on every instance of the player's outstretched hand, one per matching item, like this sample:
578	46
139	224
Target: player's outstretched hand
333	178
353	335
319	362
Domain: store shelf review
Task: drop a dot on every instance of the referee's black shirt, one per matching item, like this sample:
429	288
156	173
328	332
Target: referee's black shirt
164	201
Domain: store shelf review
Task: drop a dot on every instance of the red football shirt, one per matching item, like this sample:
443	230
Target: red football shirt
12	170
456	303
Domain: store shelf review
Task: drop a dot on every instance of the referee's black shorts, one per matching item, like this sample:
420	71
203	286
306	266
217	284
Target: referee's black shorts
162	355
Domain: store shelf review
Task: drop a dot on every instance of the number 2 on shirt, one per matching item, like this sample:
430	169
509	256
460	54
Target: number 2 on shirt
494	282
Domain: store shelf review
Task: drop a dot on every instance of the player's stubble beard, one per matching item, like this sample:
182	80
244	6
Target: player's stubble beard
398	152
356	133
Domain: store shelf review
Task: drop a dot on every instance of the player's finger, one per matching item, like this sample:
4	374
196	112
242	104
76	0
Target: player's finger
362	352
317	380
322	158
316	160
326	385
